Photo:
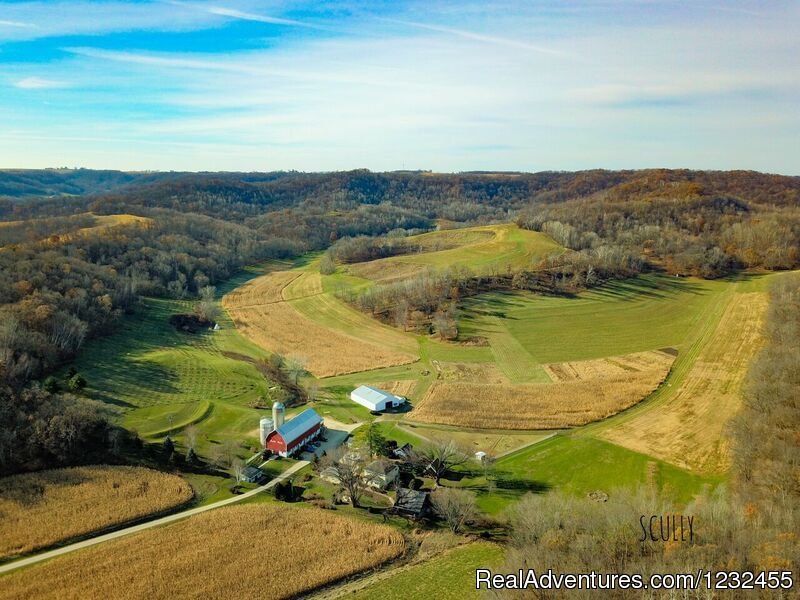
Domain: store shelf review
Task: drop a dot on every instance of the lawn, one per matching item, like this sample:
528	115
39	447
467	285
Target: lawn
582	464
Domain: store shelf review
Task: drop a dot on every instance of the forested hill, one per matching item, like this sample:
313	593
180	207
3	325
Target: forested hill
69	265
86	245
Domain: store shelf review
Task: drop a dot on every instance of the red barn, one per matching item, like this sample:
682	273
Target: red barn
295	433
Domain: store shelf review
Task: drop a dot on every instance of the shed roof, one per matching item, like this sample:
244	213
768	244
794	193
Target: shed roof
372	394
296	427
412	501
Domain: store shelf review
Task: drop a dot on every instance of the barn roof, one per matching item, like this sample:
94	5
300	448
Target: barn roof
372	394
298	426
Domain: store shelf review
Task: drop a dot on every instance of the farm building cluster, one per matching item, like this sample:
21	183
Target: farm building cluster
288	438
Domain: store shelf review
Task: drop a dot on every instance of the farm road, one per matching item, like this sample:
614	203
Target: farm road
31	560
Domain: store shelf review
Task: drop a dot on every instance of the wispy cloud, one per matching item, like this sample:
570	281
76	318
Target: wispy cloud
20	24
489	39
37	83
248	16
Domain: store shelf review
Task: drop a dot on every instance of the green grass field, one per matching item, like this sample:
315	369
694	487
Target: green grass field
157	380
620	317
579	465
487	249
448	575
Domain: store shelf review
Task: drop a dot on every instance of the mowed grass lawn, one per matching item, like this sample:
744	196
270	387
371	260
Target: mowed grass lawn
449	575
582	464
620	317
158	380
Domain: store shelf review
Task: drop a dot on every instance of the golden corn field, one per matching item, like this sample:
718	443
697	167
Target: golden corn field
40	509
255	551
567	403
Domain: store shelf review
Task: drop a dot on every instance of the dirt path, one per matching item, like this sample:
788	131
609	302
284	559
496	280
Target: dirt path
31	560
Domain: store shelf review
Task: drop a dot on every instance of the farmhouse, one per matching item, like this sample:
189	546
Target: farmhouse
382	473
375	399
290	437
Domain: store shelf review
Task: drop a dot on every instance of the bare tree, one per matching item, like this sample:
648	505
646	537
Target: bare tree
237	466
230	449
295	366
207	309
312	391
436	458
454	505
350	467
191	433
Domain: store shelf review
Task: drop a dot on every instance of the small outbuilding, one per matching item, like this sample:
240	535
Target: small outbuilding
252	474
291	436
411	503
375	399
404	452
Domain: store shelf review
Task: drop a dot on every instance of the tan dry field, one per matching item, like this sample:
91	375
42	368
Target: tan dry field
262	314
236	552
541	405
307	284
41	509
689	429
398	388
486	373
601	368
266	289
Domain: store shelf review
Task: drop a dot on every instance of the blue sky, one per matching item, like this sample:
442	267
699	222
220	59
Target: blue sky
442	85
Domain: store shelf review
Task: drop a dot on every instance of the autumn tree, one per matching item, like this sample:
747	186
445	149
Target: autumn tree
437	458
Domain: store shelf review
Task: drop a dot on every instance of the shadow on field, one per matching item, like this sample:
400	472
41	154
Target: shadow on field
647	287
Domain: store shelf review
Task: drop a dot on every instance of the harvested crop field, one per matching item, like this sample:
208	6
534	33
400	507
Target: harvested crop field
470	372
236	552
266	289
41	509
688	429
601	368
538	405
261	313
399	388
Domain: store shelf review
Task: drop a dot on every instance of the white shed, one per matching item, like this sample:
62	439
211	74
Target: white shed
375	399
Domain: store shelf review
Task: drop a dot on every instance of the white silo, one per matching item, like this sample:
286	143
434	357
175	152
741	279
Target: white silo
278	414
266	426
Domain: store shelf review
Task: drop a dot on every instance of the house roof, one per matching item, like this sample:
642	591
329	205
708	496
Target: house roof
381	467
409	500
296	427
373	395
